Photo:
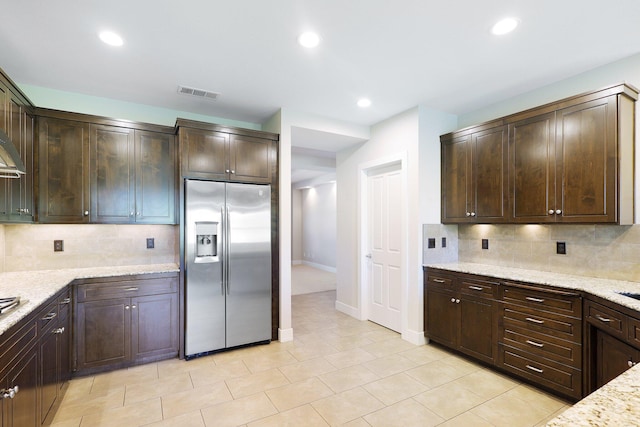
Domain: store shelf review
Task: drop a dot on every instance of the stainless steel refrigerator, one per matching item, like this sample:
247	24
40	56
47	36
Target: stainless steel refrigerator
227	259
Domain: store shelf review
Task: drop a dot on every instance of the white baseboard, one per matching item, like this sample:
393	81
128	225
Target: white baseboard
347	309
414	337
285	335
296	262
320	266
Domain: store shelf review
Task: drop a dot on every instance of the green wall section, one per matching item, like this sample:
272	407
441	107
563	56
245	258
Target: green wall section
79	103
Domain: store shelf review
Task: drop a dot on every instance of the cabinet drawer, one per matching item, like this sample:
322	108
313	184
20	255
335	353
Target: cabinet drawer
123	289
15	341
567	303
610	321
438	280
547	373
473	287
634	332
543	345
47	318
556	325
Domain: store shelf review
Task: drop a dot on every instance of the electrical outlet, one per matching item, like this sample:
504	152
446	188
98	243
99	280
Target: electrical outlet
444	242
151	243
431	243
58	245
485	243
561	248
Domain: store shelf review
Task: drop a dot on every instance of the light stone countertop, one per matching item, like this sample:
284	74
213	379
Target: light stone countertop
35	287
617	403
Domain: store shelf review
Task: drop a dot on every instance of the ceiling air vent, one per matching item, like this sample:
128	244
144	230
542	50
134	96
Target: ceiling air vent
199	93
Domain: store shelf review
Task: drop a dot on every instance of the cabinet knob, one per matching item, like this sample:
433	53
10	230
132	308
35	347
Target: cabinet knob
631	363
133	306
86	213
233	171
126	307
473	214
453	300
457	301
9	393
131	214
468	213
138	213
558	211
551	211
227	171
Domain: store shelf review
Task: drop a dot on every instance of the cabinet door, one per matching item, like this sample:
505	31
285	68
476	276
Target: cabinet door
155	178
64	323
204	154
455	178
586	159
442	316
612	357
533	173
103	333
154	326
112	174
477	332
64	171
250	159
20	190
488	190
49	365
21	410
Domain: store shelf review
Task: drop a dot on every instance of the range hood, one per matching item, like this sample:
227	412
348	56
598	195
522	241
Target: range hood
11	165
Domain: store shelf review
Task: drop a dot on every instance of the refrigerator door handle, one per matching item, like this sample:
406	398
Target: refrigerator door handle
224	250
227	225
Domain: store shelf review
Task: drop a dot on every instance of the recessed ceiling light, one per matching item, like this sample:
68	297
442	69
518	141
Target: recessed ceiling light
111	38
364	103
309	39
504	26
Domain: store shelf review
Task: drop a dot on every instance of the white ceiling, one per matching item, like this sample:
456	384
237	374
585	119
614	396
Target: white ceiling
399	54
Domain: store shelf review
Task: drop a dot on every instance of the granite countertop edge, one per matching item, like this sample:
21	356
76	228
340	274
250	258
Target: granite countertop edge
35	287
618	401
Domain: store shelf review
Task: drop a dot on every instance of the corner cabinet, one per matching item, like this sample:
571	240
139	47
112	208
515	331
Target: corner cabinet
570	161
221	153
16	120
125	321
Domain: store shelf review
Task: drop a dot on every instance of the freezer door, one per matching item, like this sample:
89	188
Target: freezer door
204	290
249	274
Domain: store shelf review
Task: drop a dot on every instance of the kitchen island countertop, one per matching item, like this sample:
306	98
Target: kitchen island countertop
35	287
617	403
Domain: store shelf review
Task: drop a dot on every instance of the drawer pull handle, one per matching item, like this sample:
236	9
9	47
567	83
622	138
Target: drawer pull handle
49	316
58	331
65	301
603	319
9	393
533	299
131	289
534	369
476	288
535	344
532	320
438	280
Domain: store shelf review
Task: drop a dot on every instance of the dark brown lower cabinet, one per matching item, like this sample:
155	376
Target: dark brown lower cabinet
125	321
613	357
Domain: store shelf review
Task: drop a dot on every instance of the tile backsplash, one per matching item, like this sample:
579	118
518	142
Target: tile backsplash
30	247
606	251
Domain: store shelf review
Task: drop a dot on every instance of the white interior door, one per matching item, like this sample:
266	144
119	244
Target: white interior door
384	187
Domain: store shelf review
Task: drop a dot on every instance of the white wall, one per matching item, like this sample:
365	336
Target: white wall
319	226
296	226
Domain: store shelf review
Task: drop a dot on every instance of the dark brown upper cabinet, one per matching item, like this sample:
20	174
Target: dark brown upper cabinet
474	176
132	176
226	154
16	119
104	171
63	171
570	161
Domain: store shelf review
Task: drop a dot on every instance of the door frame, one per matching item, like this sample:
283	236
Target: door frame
364	170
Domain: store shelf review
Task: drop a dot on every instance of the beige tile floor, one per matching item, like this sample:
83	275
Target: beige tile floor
337	371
